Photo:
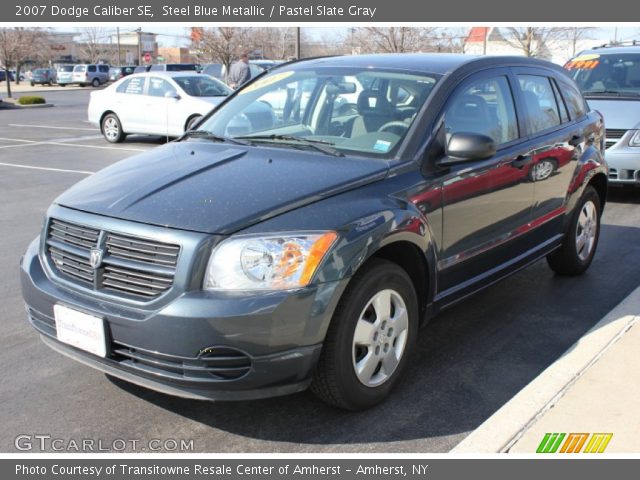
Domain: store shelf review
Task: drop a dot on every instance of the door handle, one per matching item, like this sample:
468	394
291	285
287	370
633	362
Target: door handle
520	161
576	140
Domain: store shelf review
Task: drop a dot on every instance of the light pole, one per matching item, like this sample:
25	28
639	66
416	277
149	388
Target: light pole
139	32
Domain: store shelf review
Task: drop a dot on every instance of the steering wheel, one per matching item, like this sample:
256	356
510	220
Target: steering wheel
398	127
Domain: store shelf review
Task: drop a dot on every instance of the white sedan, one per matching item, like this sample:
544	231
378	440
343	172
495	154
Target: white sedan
154	103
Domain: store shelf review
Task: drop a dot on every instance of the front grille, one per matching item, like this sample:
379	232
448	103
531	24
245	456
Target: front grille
221	363
131	266
613	136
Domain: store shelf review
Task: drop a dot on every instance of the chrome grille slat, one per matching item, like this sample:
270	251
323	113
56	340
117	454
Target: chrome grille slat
126	278
148	251
132	267
123	287
142	275
117	252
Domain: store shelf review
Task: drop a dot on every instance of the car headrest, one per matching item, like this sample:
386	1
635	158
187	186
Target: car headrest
371	102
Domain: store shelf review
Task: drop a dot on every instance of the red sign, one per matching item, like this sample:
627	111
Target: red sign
147	57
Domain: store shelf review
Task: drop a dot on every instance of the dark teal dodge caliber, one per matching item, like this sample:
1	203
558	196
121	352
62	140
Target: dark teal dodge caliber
255	257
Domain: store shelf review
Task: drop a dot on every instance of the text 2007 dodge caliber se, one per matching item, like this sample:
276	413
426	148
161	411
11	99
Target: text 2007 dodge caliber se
256	257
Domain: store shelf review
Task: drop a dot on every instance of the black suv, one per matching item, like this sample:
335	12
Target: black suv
239	262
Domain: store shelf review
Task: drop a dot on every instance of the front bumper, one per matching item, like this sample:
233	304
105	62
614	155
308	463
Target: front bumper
202	345
624	162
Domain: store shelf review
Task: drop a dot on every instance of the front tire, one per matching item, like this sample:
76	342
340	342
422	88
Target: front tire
371	335
581	240
112	129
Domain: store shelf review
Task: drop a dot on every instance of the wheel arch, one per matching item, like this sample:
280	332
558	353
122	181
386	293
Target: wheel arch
104	114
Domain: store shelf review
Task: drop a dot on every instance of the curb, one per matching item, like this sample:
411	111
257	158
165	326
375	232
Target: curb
14	106
505	427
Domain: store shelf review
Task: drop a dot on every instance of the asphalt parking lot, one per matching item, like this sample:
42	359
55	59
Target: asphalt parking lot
470	360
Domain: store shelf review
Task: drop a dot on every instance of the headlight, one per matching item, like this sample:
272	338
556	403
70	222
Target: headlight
279	262
635	140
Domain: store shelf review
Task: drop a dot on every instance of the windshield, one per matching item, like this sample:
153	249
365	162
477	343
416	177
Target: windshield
202	86
353	111
40	71
614	74
66	68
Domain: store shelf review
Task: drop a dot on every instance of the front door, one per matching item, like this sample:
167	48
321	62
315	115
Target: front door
486	203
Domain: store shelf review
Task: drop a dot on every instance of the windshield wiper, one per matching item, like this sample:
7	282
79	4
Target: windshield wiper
320	145
206	134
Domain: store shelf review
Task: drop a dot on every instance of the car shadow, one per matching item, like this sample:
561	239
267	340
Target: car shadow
624	195
469	361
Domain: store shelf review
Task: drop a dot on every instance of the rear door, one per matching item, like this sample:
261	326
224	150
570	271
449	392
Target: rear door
164	114
129	105
557	138
486	203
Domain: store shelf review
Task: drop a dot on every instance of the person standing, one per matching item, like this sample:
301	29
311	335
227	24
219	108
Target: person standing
239	72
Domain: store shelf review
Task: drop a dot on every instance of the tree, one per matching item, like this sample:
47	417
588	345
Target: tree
574	34
394	39
93	46
532	41
221	44
18	45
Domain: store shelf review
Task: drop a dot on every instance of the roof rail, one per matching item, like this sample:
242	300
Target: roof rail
623	43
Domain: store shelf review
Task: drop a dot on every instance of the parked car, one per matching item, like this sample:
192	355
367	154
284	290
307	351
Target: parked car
609	77
43	76
65	75
226	266
174	67
214	70
155	103
116	73
3	76
94	75
141	68
14	73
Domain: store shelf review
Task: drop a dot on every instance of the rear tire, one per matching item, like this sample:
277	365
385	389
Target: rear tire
581	240
95	83
112	129
370	338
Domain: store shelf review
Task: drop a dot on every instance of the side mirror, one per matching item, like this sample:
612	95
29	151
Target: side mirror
173	95
466	147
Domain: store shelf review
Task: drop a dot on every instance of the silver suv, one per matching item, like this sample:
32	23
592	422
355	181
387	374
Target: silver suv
91	74
609	77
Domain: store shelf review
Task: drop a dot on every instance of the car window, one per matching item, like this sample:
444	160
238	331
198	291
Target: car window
485	107
91	68
80	68
540	102
103	68
132	86
564	114
156	68
159	87
202	86
65	68
575	102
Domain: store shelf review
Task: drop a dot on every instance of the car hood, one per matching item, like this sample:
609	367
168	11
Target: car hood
216	188
621	114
